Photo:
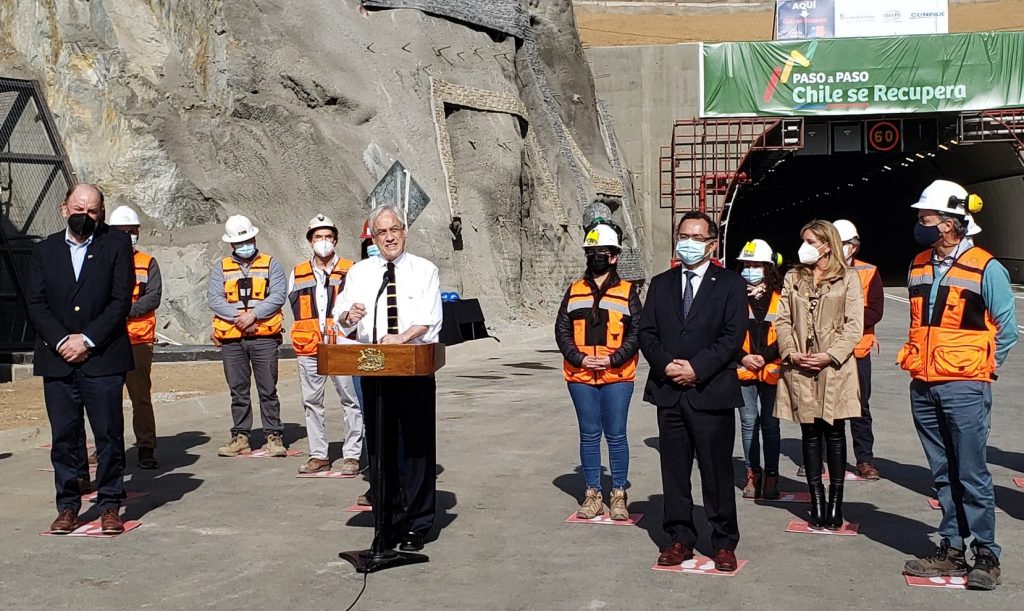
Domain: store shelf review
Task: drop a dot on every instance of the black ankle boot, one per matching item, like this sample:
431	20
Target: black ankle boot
817	506
834	519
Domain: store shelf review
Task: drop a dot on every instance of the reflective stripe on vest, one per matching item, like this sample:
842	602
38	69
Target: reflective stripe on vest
769	374
306	334
142	329
957	342
867	273
615	306
259	273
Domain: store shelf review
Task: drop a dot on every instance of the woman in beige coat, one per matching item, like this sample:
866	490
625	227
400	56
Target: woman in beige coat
821	318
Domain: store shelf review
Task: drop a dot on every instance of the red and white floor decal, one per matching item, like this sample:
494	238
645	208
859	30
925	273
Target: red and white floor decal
92	470
261	453
1019	481
359	508
46	446
130	496
325	475
934	504
801	526
952	583
787	497
700	565
93	529
605	519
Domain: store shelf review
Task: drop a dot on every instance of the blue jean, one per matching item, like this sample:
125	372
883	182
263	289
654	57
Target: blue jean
602	409
756	419
953	420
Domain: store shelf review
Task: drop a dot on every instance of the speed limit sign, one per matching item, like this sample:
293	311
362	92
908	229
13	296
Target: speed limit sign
883	136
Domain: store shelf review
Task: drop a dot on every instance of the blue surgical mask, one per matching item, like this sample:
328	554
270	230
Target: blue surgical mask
691	252
372	250
753	275
245	251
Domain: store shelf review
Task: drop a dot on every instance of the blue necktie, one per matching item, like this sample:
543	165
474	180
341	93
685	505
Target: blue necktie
688	293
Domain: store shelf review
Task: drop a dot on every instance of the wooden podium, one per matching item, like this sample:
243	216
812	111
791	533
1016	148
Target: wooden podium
379	361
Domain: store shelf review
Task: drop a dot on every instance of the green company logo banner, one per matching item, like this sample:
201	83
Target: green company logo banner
843	76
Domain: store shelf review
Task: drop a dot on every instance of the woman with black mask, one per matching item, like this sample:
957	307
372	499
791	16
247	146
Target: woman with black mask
596	330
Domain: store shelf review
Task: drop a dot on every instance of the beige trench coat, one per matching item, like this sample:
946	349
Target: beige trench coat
838	323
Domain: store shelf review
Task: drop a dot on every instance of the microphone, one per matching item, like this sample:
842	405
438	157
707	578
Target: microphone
376	302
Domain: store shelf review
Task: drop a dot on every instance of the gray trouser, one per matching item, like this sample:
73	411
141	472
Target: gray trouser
252	357
313	387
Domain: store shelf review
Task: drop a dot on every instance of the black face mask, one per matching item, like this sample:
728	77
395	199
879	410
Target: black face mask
597	262
926	235
81	224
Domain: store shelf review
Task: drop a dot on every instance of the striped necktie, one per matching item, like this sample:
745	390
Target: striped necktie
392	301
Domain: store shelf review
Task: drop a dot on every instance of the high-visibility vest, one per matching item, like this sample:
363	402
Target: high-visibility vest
142	329
614	303
259	273
867	273
769	374
958	341
306	332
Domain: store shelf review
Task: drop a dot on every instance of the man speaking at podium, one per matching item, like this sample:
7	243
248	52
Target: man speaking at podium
395	298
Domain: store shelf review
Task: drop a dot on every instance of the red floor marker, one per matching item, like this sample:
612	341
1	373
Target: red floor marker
952	583
605	519
700	565
934	504
358	508
800	526
47	446
325	475
261	453
92	470
788	497
1019	481
131	496
93	529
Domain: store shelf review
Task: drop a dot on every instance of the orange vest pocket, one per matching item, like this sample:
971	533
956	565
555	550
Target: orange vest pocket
959	360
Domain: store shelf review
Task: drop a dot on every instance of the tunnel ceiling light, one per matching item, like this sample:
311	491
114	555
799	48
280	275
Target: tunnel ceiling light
887	168
944	147
919	155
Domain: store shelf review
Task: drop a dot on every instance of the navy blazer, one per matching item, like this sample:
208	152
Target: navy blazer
708	338
96	305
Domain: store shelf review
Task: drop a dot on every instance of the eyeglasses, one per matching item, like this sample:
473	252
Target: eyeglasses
696	237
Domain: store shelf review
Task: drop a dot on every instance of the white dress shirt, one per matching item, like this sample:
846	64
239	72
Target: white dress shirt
321	287
419	297
695	282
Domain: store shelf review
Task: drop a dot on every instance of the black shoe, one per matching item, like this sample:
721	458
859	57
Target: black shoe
411	542
985	573
146	458
817	506
834	515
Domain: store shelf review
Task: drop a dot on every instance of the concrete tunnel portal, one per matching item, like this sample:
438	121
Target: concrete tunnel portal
836	174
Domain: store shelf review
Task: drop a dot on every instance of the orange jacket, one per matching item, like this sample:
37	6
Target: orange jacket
615	304
306	333
867	273
142	329
769	374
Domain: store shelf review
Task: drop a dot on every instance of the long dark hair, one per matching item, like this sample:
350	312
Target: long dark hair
772	275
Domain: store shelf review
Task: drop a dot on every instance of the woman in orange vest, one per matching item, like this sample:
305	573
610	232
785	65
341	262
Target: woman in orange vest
596	330
758	370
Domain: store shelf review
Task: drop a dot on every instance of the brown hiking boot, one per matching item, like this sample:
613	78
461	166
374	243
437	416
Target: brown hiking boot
110	522
364	500
350	466
868	471
618	511
238	445
592	505
315	465
985	574
752	489
275	445
944	562
770	489
66	522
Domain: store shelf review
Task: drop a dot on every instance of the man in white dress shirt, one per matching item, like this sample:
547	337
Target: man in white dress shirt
395	298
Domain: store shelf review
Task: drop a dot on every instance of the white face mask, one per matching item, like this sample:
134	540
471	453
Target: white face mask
808	254
848	251
135	239
323	248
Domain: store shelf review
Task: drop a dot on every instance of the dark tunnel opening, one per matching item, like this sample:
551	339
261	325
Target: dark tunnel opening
875	190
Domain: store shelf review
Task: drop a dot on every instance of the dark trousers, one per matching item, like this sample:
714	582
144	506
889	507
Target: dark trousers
684	433
860	428
139	384
68	400
245	359
409	408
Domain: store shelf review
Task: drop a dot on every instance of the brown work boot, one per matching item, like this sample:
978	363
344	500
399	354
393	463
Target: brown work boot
985	573
315	465
868	471
752	489
592	505
66	522
110	522
350	466
944	562
618	511
365	500
275	445
770	486
238	445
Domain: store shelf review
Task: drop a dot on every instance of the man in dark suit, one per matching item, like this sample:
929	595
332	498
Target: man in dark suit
79	296
691	328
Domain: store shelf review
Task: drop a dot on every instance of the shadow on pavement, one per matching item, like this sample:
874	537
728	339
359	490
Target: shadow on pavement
1014	461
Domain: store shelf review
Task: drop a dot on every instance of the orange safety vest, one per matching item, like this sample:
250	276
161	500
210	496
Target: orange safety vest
142	329
867	273
959	342
769	374
615	303
306	332
259	273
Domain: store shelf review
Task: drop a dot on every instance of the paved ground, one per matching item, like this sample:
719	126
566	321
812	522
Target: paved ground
237	533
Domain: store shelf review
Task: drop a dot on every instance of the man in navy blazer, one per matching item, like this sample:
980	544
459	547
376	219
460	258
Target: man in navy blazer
79	295
691	328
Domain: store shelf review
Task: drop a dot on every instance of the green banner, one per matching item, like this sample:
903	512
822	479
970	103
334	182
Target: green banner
843	76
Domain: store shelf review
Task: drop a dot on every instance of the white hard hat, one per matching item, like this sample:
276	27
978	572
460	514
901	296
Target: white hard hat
847	230
601	235
237	229
123	215
948	198
756	251
320	221
972	227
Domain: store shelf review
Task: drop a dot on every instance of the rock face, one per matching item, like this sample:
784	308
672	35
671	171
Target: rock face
193	110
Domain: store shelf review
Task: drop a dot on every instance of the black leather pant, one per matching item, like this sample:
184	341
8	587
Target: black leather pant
835	450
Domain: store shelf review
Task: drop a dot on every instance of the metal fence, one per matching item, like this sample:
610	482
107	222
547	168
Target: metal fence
34	176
